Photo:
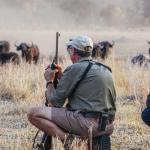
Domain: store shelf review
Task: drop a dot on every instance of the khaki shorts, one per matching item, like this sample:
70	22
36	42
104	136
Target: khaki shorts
75	123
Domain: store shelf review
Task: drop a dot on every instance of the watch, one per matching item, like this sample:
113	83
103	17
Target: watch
49	82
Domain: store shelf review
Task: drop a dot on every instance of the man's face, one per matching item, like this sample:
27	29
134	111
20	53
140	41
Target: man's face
73	56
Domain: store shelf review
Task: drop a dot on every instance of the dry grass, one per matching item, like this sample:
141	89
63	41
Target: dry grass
23	86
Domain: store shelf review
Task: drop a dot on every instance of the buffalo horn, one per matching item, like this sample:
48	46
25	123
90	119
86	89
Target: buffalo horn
112	44
16	44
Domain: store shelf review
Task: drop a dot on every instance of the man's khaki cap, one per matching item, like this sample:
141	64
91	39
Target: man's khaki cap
82	43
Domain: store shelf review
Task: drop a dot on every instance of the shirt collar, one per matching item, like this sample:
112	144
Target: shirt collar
85	58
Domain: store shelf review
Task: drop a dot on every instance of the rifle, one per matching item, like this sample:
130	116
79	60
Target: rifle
46	143
55	61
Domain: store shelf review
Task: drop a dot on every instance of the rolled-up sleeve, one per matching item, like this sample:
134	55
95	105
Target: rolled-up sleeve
65	86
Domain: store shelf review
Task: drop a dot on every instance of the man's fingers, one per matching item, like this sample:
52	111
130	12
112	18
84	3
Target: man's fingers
57	66
47	67
55	71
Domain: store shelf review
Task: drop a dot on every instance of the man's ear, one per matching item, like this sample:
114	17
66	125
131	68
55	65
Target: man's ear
74	52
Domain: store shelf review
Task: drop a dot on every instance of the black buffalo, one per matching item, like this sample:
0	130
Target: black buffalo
102	49
29	52
10	57
4	46
141	60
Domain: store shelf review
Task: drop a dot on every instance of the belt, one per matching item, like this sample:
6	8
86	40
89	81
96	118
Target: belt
91	114
95	116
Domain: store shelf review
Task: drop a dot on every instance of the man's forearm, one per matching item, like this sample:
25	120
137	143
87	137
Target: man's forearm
55	96
49	90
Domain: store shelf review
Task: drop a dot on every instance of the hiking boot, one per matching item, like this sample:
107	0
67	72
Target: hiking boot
101	143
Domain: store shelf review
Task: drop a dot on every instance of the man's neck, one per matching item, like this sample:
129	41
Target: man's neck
85	58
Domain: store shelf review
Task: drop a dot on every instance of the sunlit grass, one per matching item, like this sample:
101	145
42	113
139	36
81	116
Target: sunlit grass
24	86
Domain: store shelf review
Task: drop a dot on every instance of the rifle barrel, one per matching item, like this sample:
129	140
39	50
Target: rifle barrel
56	54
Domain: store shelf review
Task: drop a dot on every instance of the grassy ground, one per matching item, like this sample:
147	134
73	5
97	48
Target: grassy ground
23	86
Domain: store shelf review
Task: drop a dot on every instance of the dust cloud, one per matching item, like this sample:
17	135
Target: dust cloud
126	22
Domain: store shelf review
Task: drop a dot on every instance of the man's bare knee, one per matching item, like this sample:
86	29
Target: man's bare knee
42	112
31	113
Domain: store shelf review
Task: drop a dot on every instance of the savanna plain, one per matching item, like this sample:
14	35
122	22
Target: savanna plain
23	86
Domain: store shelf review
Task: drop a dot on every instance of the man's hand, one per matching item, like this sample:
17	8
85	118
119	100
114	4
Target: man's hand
60	73
50	74
50	104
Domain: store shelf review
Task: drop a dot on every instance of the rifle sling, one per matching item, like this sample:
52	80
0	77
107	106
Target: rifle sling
83	76
100	64
85	72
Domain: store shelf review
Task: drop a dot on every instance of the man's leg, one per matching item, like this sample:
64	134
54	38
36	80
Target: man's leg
41	118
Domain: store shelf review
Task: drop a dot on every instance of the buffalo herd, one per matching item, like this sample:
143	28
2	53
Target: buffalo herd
30	53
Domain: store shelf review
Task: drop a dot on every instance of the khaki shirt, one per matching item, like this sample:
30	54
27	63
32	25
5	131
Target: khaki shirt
95	92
